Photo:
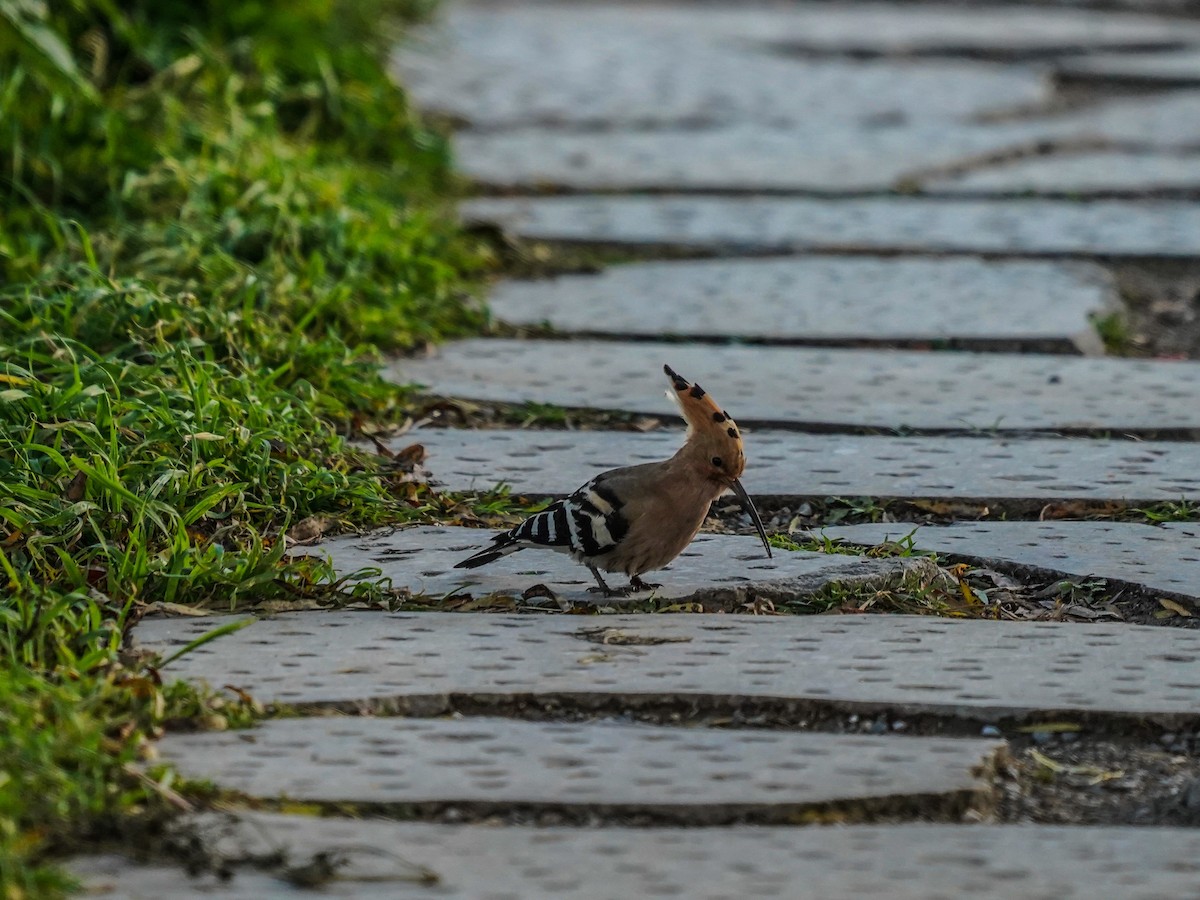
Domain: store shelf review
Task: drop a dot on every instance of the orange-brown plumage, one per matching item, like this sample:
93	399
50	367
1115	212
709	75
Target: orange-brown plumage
637	519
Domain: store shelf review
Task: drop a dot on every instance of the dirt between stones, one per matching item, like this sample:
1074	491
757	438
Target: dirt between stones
1162	300
1013	591
1069	780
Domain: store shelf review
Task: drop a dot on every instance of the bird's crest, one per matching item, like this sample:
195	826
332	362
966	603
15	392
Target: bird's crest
707	422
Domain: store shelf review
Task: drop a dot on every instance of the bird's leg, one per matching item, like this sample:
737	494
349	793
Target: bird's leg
636	584
603	588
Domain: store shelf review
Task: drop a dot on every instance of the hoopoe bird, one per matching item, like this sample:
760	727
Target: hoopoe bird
637	519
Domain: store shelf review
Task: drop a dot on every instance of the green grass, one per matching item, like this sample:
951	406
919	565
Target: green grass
213	218
1113	329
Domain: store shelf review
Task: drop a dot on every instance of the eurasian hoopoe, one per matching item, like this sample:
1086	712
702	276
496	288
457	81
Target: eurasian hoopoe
638	518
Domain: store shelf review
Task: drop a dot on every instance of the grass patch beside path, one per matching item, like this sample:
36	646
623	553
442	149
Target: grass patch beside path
211	215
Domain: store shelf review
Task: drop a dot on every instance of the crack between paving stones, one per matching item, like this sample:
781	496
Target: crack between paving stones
1123	589
660	251
739	711
1053	345
598	253
905	187
1178	434
960	508
968	52
949	806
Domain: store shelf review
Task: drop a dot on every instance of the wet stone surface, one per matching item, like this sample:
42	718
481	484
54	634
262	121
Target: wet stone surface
831	298
1163	558
902	862
1139	228
806	386
707	774
977	669
1090	173
788	465
714	566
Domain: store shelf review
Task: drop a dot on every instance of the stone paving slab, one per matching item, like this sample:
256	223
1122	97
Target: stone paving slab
814	156
1035	227
1174	69
1168	120
646	65
822	297
420	661
1162	558
836	158
714	566
912	861
789	464
825	387
714	774
1092	173
947	29
862	29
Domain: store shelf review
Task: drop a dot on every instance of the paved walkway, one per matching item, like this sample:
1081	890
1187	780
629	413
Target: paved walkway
918	215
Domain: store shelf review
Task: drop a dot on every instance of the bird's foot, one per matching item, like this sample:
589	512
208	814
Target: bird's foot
636	584
610	592
602	586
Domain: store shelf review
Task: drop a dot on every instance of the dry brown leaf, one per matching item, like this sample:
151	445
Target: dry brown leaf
75	489
538	590
1079	509
1178	608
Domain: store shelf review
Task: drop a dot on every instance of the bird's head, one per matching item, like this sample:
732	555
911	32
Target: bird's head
714	443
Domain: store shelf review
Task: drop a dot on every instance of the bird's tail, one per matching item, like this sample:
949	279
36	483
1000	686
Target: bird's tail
502	545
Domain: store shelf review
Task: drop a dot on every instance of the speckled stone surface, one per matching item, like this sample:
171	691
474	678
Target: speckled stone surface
713	773
790	464
1166	120
822	297
1168	228
420	661
502	65
806	96
743	156
817	386
1086	173
714	566
912	861
1163	558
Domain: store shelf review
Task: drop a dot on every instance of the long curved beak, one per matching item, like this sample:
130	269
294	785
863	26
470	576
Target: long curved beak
748	506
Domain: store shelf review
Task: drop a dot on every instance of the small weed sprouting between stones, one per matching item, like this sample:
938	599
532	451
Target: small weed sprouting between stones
1182	511
209	220
823	543
1114	333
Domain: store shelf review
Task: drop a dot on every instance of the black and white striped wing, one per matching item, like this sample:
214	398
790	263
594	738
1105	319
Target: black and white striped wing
586	524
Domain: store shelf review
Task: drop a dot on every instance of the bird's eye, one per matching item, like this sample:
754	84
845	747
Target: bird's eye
716	461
